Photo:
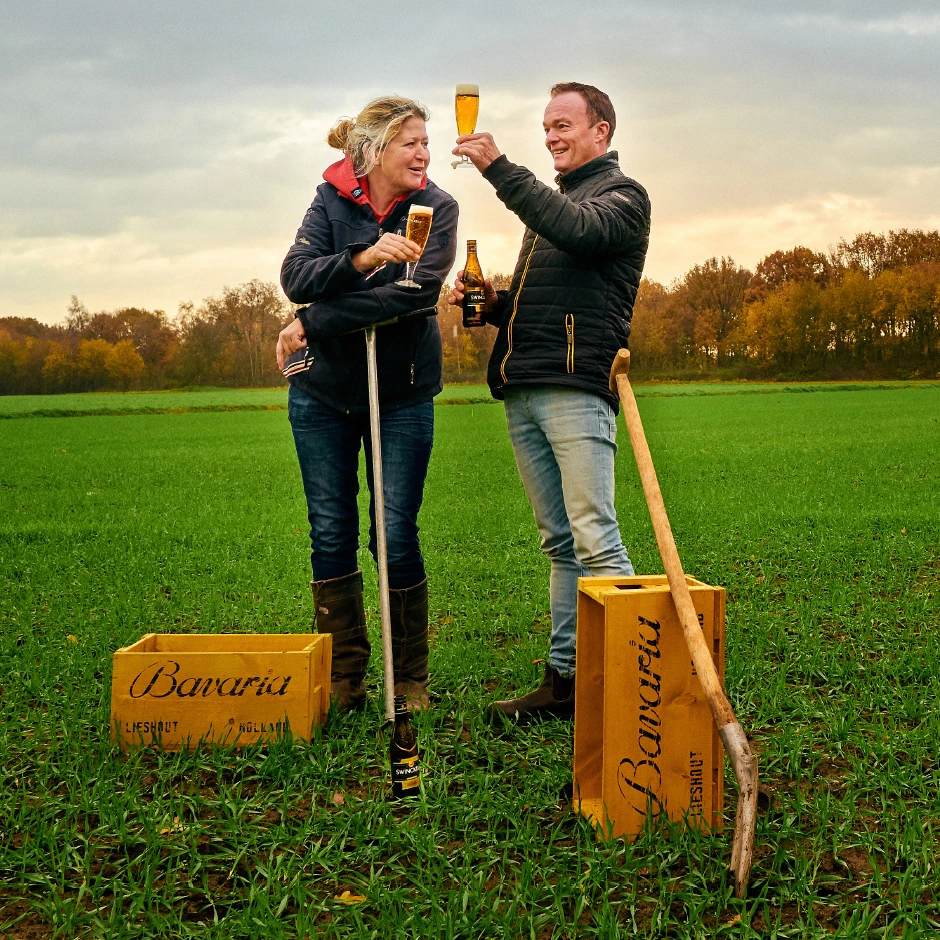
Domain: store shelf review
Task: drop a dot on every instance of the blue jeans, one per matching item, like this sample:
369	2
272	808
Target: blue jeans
565	443
327	443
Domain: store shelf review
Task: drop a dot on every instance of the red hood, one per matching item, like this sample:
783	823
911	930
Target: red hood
347	184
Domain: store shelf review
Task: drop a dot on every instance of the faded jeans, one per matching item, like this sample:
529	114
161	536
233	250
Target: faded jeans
565	443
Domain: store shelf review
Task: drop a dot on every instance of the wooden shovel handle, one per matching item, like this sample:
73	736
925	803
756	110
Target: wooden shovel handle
730	731
701	656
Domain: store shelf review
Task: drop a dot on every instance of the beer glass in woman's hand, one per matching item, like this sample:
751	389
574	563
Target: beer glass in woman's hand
467	107
419	227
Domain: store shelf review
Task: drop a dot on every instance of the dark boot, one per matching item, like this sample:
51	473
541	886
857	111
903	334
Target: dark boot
340	611
409	608
554	698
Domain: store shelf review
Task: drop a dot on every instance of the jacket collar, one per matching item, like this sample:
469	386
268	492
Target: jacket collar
343	177
604	162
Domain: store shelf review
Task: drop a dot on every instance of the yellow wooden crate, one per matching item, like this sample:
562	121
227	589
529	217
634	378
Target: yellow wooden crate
644	738
177	690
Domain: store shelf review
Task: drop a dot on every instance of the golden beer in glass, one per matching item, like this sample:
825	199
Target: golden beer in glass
419	227
466	107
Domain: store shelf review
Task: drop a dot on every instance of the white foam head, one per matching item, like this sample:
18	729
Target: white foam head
421	210
473	90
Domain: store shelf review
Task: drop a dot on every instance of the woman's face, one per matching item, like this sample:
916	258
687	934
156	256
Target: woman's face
406	158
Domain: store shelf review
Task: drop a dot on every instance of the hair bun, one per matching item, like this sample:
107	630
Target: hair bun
338	137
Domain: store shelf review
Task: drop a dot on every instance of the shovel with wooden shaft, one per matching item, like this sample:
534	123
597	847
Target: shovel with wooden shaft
729	730
378	496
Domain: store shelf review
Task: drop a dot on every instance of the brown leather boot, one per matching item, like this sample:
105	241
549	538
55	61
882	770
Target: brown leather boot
340	611
554	698
409	608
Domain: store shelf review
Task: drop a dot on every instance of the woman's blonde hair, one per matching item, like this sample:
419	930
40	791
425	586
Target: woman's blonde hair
364	137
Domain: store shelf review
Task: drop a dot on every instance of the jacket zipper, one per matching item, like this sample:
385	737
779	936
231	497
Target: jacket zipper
569	319
569	331
515	307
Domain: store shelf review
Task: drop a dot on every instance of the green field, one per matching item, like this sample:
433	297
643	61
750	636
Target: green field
186	401
177	401
819	513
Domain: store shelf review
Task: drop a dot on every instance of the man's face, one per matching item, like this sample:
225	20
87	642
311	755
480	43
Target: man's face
569	135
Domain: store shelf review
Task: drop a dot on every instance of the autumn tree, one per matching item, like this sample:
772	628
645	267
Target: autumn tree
58	370
125	365
236	334
77	317
873	253
787	267
850	307
14	359
910	301
91	363
713	293
786	329
149	331
655	341
201	348
460	358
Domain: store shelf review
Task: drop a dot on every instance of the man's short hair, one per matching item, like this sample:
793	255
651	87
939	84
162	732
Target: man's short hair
599	106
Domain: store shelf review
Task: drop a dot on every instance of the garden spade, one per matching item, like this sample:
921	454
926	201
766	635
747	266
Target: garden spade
378	494
729	730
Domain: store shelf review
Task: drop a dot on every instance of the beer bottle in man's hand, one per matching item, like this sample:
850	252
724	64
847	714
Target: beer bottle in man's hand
403	751
474	300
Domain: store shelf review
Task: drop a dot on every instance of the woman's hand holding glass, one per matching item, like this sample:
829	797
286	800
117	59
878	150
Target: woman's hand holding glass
389	249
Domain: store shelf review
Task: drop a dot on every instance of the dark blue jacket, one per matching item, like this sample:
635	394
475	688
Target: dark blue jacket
318	271
568	308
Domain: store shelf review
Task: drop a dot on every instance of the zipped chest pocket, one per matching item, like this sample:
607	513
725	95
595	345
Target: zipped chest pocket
569	338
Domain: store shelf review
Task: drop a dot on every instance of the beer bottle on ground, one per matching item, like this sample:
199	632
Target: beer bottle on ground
474	301
403	751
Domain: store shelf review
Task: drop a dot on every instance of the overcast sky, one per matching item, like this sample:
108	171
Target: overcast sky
151	154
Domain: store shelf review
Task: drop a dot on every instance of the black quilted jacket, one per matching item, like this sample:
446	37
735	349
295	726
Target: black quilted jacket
568	308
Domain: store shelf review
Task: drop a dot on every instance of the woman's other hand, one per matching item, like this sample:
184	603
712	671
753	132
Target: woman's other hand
455	297
289	340
389	249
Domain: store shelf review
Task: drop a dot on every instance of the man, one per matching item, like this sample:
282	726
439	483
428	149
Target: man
565	315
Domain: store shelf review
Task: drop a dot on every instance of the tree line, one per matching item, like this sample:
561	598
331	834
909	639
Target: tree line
227	340
867	308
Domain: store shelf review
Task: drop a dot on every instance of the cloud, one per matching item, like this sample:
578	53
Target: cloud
151	155
124	269
905	24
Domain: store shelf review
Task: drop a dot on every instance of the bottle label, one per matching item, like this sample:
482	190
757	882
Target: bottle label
474	307
474	299
406	773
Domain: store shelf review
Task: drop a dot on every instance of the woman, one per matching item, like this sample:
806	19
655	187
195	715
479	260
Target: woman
348	253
